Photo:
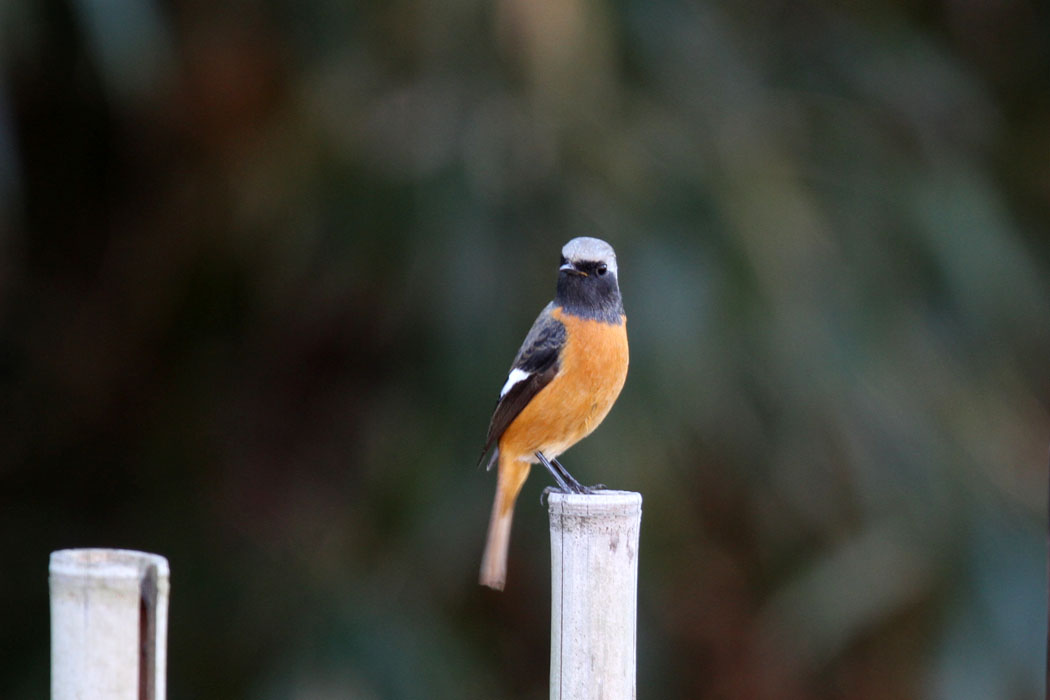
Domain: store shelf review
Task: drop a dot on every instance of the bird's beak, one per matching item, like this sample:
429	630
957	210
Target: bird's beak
567	267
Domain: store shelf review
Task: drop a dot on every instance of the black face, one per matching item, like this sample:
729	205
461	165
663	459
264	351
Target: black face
590	289
596	269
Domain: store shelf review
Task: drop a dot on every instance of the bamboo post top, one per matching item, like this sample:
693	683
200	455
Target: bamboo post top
597	504
109	622
108	564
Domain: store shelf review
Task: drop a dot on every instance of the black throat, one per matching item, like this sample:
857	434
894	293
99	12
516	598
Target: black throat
592	296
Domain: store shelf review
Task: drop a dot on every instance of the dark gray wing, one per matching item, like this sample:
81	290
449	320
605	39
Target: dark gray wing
537	363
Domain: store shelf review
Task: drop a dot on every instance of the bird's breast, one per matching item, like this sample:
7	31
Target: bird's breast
592	371
594	360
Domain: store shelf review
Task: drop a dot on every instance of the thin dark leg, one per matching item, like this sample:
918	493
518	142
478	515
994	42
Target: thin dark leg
576	486
558	477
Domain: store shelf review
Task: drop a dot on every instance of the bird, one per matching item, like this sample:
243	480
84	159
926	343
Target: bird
563	382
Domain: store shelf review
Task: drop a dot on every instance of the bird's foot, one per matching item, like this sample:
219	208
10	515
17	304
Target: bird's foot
558	474
567	483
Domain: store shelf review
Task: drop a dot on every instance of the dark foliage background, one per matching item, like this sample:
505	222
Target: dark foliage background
263	266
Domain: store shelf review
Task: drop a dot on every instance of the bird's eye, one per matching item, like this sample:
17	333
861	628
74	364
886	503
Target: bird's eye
602	269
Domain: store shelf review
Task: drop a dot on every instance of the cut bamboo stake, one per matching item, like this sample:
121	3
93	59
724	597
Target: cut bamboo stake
594	594
109	624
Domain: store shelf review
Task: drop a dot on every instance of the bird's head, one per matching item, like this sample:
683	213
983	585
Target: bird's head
587	279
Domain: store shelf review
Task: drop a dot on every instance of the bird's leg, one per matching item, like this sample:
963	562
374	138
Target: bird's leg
566	481
558	474
575	485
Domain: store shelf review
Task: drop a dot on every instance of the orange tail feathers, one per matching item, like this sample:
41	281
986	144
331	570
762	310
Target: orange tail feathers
512	475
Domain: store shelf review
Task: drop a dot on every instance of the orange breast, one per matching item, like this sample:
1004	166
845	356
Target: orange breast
593	371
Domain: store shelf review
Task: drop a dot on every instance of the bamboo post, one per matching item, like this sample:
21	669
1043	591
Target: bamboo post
109	624
594	594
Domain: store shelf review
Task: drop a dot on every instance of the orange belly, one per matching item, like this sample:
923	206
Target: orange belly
592	373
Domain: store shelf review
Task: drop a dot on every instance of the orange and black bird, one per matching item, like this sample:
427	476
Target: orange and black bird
564	380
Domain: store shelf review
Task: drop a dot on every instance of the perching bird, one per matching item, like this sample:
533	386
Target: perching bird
566	377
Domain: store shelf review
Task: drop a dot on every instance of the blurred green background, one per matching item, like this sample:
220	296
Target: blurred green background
264	266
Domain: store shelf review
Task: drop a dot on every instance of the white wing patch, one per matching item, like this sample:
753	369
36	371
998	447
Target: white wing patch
516	375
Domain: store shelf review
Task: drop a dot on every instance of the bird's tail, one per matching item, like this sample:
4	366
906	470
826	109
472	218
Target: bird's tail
512	474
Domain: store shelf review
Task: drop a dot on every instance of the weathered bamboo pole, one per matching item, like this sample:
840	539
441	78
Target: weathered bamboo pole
594	594
109	624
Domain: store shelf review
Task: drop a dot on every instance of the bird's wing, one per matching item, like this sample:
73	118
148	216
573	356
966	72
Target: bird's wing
535	366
